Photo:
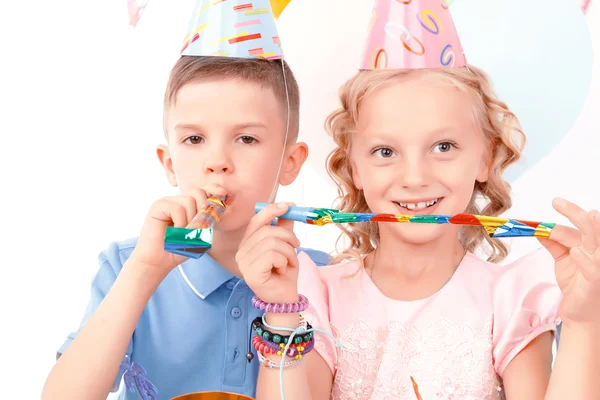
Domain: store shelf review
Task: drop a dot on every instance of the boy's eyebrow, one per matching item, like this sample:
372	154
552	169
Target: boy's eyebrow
187	126
194	127
250	125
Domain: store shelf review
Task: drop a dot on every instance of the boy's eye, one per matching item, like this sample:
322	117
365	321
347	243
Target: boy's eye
444	147
194	139
248	140
384	152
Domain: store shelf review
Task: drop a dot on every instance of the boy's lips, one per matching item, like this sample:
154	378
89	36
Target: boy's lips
228	199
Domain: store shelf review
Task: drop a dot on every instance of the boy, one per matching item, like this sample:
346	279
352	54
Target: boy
187	322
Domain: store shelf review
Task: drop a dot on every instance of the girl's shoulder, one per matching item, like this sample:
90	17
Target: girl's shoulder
536	265
332	272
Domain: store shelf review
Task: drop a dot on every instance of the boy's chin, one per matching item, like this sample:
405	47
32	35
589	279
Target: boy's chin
231	223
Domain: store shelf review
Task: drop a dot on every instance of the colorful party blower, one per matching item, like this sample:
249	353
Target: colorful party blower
496	227
412	34
196	239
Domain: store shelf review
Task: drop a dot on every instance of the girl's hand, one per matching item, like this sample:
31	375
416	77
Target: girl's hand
267	256
577	263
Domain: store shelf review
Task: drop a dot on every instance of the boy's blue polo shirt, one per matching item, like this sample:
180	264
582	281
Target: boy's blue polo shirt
188	343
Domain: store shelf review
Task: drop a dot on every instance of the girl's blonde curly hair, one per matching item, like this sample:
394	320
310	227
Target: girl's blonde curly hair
500	126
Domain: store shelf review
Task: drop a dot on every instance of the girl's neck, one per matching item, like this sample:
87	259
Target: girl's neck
407	271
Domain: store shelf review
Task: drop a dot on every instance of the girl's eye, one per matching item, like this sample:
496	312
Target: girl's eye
248	140
384	152
444	147
194	140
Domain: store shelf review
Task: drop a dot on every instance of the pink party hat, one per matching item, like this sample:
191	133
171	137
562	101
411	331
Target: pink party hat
412	34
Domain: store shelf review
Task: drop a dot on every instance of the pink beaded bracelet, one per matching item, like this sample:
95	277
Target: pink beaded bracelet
281	308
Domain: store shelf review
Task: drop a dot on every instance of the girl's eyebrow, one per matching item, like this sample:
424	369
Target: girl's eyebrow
434	132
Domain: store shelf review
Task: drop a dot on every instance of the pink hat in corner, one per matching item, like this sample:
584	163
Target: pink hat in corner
412	34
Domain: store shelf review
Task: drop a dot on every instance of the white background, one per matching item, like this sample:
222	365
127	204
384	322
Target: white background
81	102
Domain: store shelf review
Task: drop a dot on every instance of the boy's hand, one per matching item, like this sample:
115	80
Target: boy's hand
177	211
267	256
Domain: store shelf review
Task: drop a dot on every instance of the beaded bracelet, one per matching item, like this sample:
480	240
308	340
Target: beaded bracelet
260	330
281	308
296	351
268	363
259	323
298	331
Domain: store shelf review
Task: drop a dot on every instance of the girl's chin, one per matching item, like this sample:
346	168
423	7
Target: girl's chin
413	233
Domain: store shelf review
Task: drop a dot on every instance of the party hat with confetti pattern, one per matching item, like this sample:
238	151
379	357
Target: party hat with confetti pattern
412	34
233	28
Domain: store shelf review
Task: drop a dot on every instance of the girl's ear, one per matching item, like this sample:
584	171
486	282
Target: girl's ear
484	173
355	176
485	165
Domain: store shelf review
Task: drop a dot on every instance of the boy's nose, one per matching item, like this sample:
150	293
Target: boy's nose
217	169
217	165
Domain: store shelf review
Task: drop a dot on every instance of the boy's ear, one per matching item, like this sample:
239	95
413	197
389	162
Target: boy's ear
164	156
293	160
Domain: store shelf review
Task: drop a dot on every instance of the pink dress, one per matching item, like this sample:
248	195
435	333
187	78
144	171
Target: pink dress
455	343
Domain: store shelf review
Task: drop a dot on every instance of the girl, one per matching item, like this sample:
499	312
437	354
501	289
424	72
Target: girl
417	313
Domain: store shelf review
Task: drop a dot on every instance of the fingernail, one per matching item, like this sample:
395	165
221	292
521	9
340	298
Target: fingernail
560	202
282	204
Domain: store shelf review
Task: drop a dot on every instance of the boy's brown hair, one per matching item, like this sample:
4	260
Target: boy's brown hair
266	73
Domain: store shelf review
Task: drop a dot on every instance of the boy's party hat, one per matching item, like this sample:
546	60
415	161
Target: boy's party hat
232	28
412	34
228	28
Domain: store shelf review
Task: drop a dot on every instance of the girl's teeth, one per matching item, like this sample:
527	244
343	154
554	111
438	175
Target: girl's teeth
418	206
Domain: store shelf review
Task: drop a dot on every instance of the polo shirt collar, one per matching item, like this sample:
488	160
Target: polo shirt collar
205	274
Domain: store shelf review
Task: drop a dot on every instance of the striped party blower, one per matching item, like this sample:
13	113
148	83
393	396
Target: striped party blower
196	239
496	227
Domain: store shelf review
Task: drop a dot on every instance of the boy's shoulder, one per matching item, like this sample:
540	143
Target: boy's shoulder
319	257
117	253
